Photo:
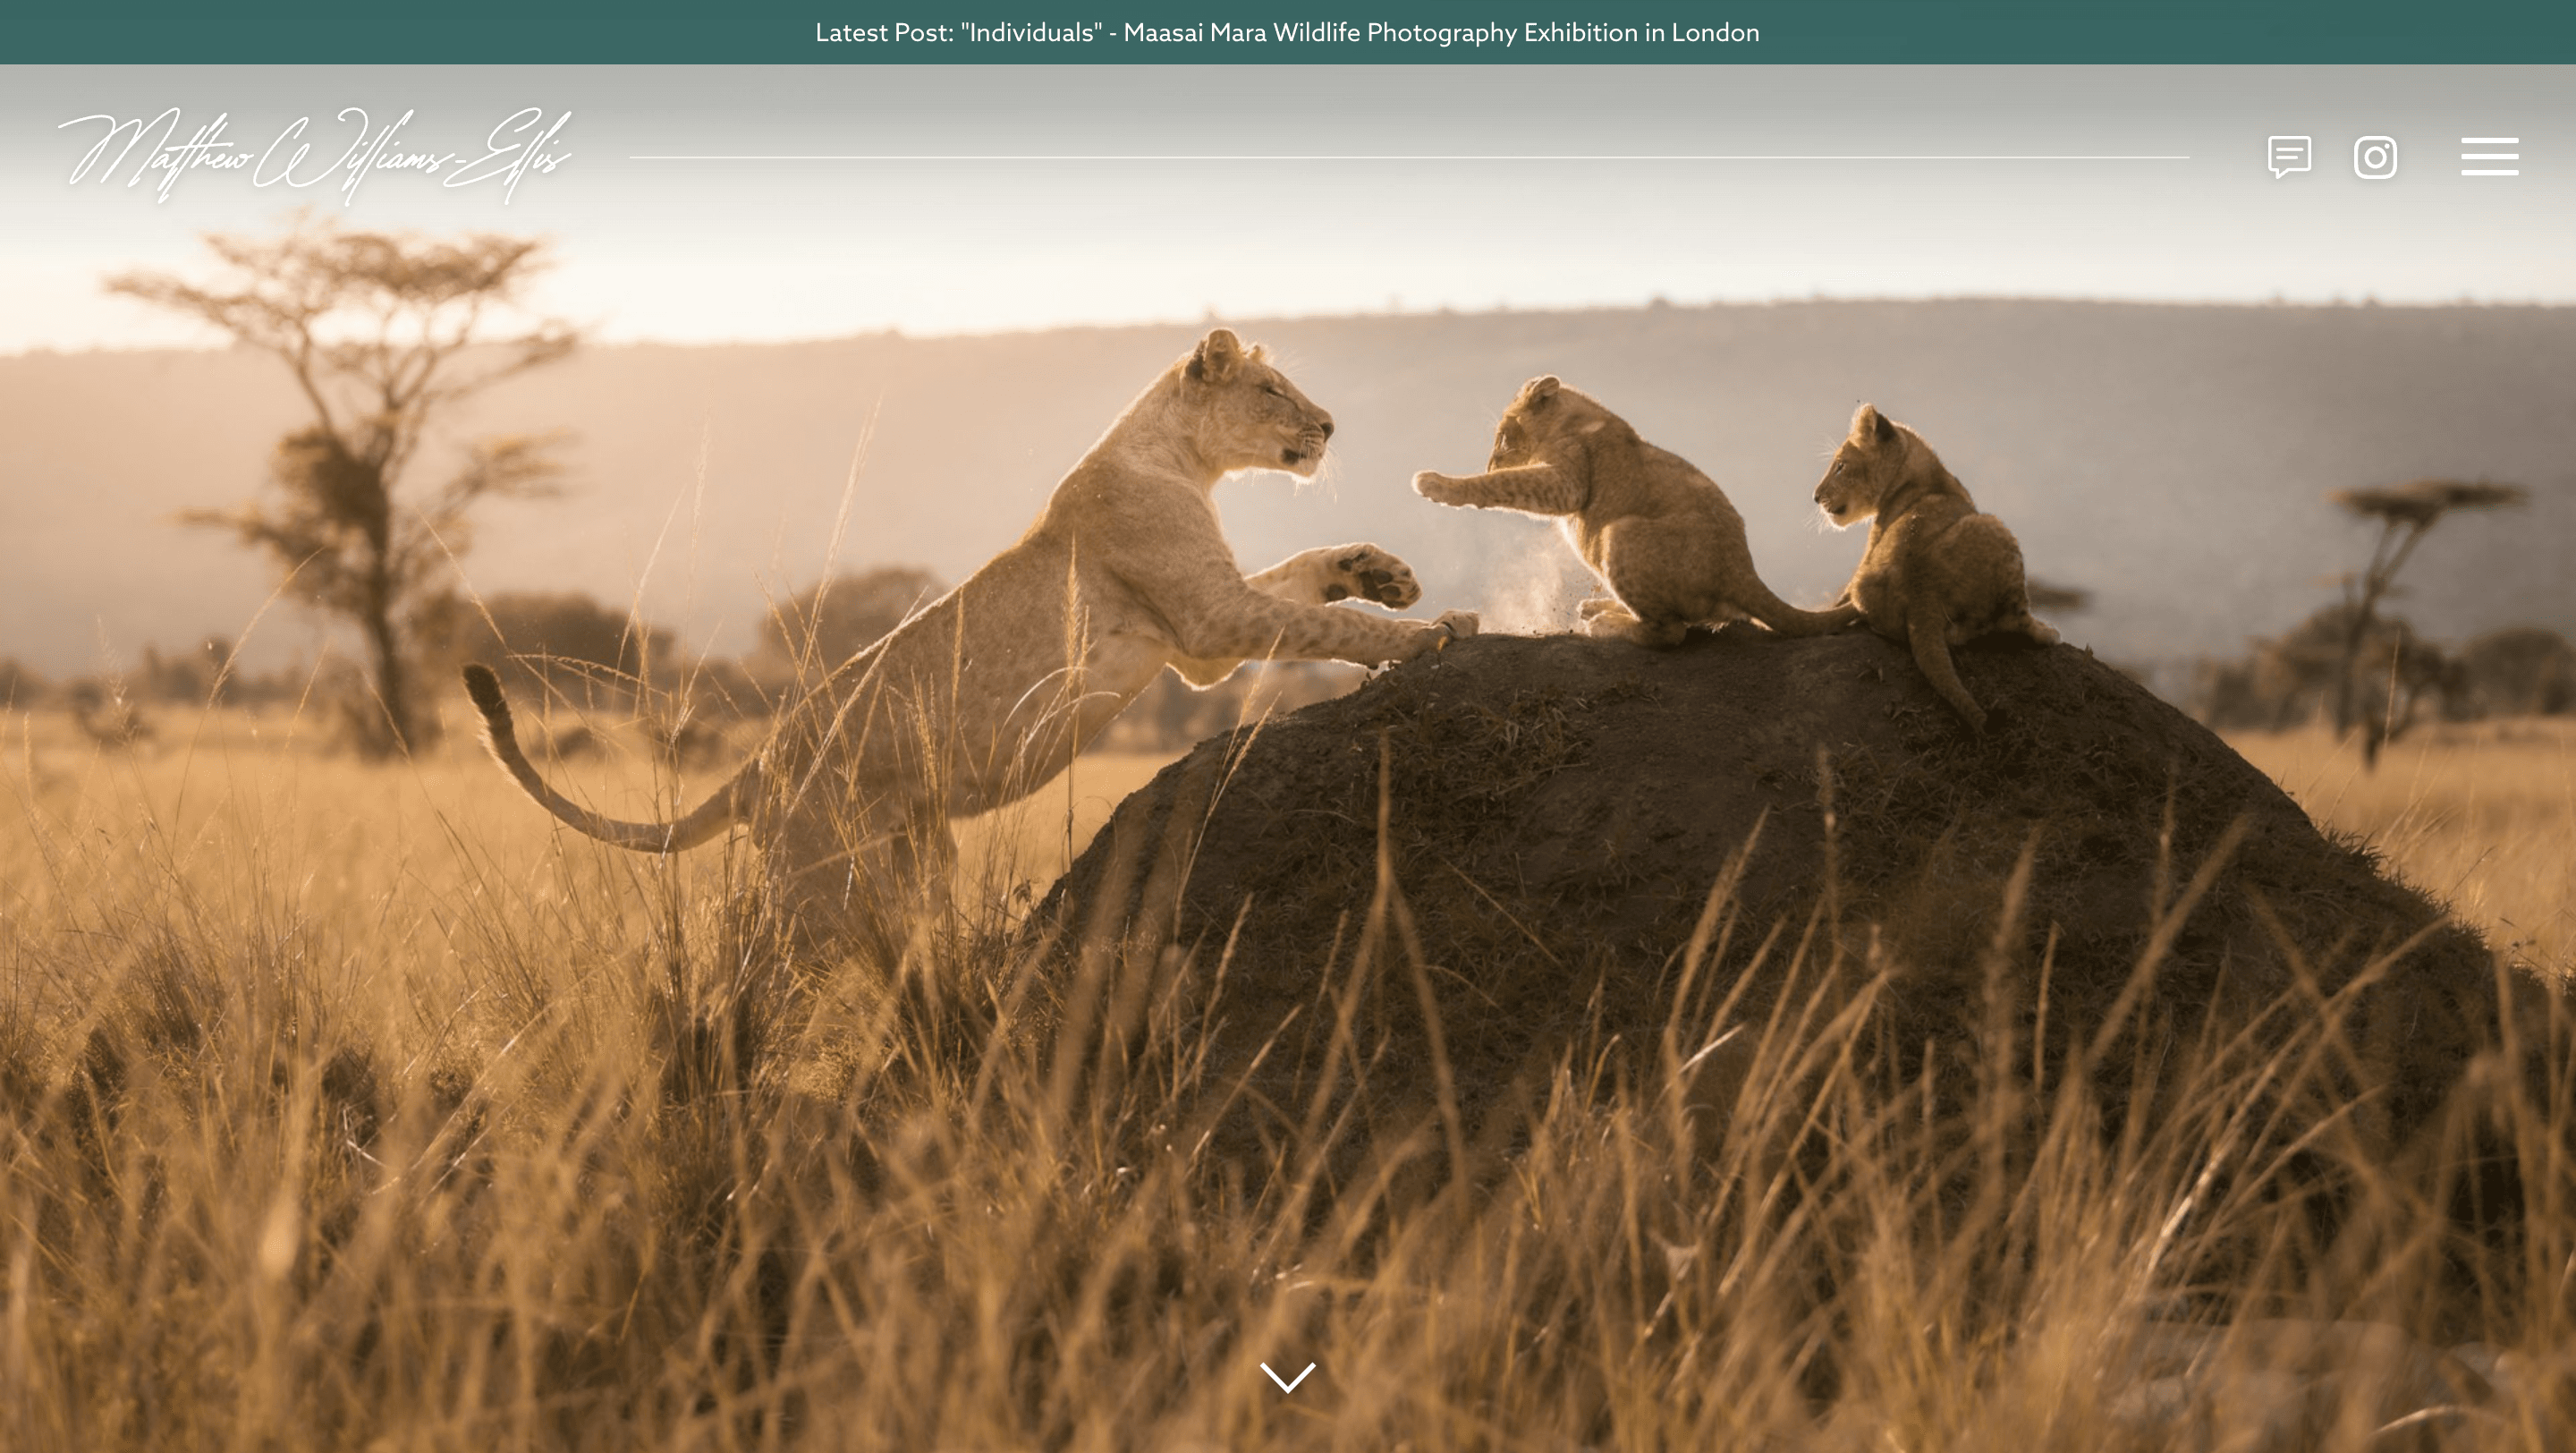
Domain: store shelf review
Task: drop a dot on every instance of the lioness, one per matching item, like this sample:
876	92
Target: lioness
1659	535
994	687
1935	572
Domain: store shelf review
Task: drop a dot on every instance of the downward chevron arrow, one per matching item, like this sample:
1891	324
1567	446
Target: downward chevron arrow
1291	1384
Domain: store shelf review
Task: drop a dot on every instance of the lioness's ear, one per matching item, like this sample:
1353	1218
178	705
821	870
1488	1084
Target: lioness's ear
1540	389
1217	355
1869	426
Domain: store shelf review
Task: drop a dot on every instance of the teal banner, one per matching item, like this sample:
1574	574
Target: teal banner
1294	32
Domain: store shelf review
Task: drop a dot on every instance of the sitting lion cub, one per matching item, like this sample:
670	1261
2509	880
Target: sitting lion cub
1936	572
1658	534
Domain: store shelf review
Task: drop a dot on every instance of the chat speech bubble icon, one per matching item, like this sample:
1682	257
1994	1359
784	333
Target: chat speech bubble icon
2287	154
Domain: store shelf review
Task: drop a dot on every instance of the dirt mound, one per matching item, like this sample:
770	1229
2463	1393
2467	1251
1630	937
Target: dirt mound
1555	813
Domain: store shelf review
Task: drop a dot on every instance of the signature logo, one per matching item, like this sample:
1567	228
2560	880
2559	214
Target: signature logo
525	143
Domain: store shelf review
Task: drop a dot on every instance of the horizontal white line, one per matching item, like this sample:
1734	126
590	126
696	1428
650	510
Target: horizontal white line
2490	141
1375	156
2490	156
2466	172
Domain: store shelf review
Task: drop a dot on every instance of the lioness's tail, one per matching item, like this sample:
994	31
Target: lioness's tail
705	823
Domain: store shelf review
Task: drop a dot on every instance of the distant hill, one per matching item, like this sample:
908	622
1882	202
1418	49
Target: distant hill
2170	459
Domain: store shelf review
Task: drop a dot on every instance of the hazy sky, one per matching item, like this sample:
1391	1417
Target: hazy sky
971	199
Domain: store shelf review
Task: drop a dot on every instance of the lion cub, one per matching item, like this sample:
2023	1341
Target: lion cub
1935	572
1658	534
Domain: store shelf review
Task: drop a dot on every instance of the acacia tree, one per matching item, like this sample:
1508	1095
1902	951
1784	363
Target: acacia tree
2406	514
832	620
555	642
382	331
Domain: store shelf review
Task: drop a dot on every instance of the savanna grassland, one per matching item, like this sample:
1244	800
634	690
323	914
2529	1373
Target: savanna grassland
357	1106
2482	814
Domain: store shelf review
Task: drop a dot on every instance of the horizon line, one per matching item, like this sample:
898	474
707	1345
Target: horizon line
1211	317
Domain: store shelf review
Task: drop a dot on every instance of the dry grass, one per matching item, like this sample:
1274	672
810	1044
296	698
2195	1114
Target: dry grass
357	1107
2482	815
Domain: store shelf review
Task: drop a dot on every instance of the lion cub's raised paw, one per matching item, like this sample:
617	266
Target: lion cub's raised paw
1369	573
1660	537
1443	489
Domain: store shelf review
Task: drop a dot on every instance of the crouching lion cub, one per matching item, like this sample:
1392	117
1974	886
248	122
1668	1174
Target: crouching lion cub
986	693
1659	535
1936	572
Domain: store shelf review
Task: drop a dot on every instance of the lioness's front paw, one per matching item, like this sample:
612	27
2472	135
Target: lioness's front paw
1453	625
1612	622
1439	488
1371	574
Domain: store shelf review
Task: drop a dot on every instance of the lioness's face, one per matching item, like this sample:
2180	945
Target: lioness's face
1293	424
1253	417
1856	479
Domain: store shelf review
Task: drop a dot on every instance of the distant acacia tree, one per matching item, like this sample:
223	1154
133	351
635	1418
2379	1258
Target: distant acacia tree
185	676
2520	670
832	620
21	685
2406	514
381	331
557	642
2049	598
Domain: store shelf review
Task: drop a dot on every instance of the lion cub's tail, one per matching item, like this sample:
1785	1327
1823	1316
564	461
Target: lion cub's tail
707	822
1787	619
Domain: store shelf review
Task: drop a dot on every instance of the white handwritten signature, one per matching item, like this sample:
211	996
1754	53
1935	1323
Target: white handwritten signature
524	143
